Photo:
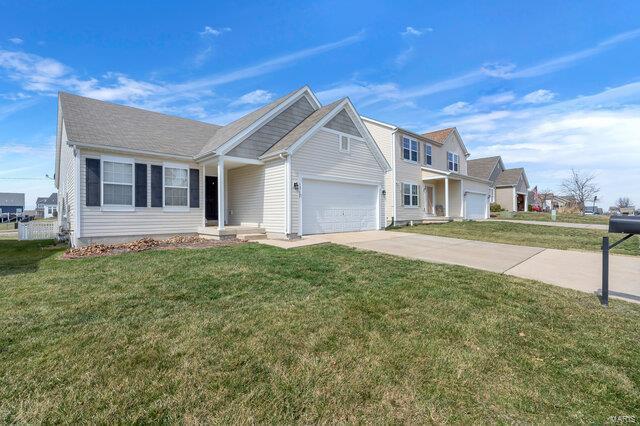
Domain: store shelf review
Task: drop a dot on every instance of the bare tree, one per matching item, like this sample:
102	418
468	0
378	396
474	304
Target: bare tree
623	202
581	186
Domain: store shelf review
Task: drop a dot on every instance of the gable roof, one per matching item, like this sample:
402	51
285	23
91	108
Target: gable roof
439	135
510	177
41	200
234	128
482	167
98	123
302	128
51	199
13	199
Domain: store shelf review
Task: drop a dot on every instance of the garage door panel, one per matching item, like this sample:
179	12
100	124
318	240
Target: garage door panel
475	206
337	207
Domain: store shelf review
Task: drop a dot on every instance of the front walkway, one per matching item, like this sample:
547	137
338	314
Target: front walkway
564	268
597	226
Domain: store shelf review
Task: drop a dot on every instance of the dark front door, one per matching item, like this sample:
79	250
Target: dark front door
211	197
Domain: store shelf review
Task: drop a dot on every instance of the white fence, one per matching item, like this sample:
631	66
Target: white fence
37	230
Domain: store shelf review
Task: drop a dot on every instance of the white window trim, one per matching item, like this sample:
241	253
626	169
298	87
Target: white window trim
417	151
346	151
176	208
116	207
424	159
411	185
455	161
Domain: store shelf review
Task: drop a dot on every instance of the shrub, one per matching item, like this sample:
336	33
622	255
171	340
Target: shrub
495	207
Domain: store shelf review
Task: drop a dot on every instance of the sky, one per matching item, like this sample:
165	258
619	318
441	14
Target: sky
548	85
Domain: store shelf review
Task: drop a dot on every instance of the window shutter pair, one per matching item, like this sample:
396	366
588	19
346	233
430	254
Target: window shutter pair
93	186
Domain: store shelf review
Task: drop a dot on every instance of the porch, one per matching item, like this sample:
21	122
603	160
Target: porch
231	209
444	196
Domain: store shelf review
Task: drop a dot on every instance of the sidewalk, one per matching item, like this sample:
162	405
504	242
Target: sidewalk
560	224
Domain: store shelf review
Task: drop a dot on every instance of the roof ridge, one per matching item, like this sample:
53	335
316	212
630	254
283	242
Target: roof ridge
62	92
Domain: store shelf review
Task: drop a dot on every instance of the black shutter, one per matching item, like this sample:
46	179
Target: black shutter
141	185
156	186
194	188
92	182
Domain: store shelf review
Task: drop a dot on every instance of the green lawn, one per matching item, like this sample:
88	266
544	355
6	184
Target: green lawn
527	235
322	334
562	217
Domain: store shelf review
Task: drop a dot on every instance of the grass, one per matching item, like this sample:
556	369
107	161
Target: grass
562	217
321	334
527	235
7	226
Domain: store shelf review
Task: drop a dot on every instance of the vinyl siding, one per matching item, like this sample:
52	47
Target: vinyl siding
265	137
451	144
411	173
68	184
383	137
256	196
504	197
142	220
343	123
320	156
495	173
522	186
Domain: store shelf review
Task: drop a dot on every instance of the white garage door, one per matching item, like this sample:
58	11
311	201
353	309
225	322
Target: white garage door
337	207
475	206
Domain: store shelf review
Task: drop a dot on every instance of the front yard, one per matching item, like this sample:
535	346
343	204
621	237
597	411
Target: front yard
250	333
527	235
562	217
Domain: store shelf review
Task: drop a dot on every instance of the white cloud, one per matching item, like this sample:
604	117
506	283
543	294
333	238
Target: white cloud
497	99
457	108
403	57
540	96
215	32
252	98
498	69
411	31
16	40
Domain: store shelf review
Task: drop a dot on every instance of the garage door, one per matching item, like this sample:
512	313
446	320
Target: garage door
337	207
475	206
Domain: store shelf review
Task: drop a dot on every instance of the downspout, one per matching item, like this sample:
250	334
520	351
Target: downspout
393	177
287	193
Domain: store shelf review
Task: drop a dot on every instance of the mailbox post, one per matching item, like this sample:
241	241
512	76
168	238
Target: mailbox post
629	225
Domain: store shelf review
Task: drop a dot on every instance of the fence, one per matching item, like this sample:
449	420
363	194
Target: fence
37	230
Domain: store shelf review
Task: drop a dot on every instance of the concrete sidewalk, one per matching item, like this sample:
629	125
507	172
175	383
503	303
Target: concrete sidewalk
565	268
558	224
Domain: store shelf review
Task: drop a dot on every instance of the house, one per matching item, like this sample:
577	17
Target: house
428	179
11	202
293	167
509	187
627	211
47	207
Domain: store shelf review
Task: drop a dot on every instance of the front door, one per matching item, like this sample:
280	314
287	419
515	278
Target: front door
211	197
429	199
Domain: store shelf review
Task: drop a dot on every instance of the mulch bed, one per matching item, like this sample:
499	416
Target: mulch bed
147	244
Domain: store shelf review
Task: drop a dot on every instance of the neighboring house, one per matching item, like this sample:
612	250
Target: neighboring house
509	187
47	207
11	202
627	211
290	168
428	179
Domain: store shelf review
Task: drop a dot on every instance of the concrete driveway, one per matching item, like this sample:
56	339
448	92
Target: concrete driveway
564	268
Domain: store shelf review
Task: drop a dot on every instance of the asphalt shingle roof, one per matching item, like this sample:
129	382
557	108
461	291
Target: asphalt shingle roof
509	177
100	123
482	167
302	128
439	135
11	199
227	132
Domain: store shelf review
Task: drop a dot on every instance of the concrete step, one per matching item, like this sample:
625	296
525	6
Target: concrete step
251	237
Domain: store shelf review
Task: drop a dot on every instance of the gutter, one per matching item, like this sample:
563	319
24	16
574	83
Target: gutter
128	150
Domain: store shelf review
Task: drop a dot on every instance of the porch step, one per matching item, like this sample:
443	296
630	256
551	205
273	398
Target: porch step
229	231
436	219
252	237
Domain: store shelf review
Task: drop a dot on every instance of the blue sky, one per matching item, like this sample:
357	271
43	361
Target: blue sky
547	85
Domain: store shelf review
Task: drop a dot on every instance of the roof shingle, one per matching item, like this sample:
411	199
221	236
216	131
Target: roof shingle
482	167
509	177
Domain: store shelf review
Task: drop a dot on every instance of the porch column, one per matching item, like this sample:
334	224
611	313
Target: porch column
221	200
446	197
203	201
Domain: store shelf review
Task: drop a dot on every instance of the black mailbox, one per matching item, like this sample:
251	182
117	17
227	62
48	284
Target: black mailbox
625	224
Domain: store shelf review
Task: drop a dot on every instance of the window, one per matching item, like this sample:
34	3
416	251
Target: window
453	161
428	158
344	144
409	195
117	183
410	149
176	187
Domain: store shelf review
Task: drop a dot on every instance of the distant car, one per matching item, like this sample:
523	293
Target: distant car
591	210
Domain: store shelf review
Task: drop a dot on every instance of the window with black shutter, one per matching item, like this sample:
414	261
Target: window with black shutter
92	182
141	185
